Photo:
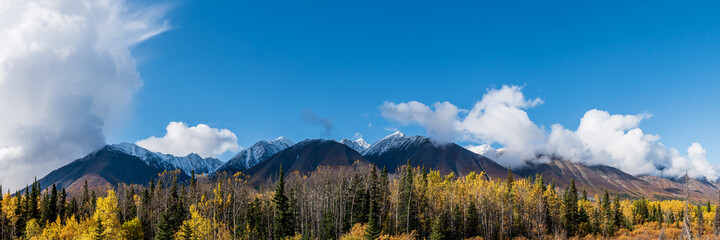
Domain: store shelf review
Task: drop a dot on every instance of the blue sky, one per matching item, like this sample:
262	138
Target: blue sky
76	76
252	66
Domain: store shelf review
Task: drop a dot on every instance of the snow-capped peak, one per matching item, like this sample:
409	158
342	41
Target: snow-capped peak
392	141
358	145
396	134
255	154
187	163
485	150
282	141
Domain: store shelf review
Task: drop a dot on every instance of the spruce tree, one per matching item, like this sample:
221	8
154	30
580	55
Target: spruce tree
176	210
700	221
357	199
193	181
608	219
281	218
472	221
130	208
165	227
187	233
45	214
53	203
99	232
571	209
458	223
85	202
716	222
328	226
438	229
32	206
61	205
373	229
617	213
408	214
22	213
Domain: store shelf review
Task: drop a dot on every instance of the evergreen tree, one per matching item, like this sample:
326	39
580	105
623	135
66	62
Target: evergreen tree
328	226
608	218
571	209
193	181
187	232
407	220
472	221
61	205
53	209
357	199
165	228
130	208
458	223
73	209
22	213
438	229
99	232
85	201
373	229
32	206
176	211
281	218
700	221
671	217
708	206
45	214
617	213
509	202
717	217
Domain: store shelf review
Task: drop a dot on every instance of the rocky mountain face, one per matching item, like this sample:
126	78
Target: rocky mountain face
188	163
397	149
305	157
103	168
358	145
253	155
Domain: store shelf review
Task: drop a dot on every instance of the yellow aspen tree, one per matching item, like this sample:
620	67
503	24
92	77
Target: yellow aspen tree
107	212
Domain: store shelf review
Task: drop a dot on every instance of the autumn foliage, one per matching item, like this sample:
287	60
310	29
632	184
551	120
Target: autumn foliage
355	202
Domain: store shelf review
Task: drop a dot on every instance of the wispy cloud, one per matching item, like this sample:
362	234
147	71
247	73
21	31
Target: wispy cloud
312	118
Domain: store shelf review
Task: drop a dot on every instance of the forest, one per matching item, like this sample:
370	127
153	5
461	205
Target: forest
352	202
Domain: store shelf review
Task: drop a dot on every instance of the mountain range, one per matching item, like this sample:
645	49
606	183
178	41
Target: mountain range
128	163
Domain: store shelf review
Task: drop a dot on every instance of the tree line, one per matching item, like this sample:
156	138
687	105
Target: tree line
351	202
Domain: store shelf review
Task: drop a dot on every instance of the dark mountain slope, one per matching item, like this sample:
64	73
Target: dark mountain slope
395	150
105	166
305	157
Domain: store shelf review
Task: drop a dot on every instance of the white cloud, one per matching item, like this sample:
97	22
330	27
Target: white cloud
181	140
499	117
65	72
601	138
440	123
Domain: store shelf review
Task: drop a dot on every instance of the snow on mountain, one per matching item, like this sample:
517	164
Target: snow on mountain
358	145
255	154
170	162
393	141
485	150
